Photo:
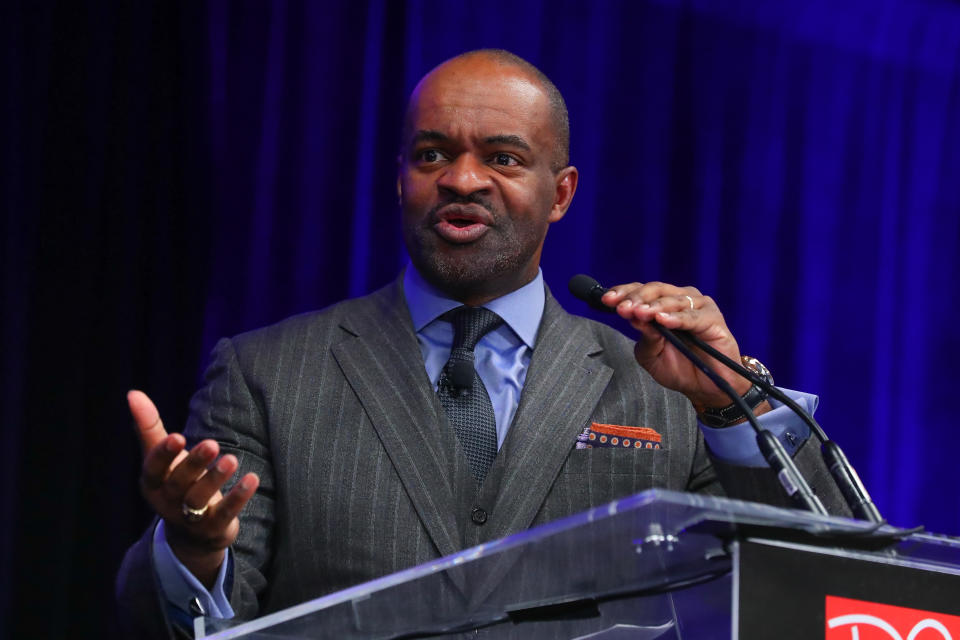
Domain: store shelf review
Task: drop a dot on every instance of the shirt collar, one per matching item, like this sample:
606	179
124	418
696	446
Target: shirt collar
521	310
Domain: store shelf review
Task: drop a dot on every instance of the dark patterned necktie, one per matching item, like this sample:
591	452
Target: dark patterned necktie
462	393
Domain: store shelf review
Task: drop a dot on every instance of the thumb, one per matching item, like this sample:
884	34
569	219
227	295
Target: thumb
147	418
650	344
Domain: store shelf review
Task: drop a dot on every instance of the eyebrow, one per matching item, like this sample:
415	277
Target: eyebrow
430	135
510	140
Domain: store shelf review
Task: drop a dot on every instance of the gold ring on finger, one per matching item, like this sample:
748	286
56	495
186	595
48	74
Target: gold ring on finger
193	515
690	300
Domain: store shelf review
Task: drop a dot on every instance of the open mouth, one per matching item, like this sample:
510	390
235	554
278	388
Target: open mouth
462	224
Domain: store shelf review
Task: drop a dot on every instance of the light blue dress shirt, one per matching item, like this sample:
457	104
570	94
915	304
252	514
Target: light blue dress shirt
502	358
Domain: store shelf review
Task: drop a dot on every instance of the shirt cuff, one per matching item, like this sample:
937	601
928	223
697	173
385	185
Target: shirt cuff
180	586
738	444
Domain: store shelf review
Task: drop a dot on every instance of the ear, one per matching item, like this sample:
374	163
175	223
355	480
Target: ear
566	186
399	179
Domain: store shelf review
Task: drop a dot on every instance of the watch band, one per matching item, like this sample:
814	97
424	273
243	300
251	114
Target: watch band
732	413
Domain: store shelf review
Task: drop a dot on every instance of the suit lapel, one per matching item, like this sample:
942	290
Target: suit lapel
384	366
382	363
562	387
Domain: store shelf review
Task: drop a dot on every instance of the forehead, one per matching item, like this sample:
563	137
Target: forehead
482	100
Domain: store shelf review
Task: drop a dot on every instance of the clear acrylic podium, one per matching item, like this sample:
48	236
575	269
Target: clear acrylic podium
659	564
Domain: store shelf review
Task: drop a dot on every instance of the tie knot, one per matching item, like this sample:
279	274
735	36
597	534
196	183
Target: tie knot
470	324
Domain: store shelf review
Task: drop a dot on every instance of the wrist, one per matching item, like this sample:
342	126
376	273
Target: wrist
759	410
754	399
719	400
201	560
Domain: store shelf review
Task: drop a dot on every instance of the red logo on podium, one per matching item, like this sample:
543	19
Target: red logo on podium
849	619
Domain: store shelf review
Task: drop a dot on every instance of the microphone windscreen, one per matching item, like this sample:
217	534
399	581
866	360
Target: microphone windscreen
588	290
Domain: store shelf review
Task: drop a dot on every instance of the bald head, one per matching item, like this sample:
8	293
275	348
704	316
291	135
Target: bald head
481	64
482	174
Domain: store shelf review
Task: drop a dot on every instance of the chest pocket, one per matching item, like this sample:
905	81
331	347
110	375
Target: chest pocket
611	461
593	477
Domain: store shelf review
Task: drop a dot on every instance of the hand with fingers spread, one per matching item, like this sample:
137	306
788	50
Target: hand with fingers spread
183	487
679	308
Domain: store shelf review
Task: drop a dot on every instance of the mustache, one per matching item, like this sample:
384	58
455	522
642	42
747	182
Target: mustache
471	198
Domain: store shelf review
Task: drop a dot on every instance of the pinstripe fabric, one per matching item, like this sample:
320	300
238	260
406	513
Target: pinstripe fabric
361	474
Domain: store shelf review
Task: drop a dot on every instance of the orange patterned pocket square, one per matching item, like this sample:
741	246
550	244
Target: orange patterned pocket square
599	435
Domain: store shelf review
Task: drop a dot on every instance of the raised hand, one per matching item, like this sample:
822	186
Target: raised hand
678	308
184	489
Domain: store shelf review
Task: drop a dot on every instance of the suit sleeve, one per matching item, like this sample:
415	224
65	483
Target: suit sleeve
141	606
715	475
748	479
226	410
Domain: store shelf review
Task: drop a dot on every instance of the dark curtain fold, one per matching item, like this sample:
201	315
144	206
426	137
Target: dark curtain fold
173	173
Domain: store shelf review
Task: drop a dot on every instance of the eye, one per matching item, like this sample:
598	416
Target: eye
429	156
505	160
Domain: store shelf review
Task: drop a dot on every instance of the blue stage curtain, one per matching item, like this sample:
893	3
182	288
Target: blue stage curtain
798	161
173	173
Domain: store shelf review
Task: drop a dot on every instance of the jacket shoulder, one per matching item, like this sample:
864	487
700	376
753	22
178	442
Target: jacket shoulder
612	341
324	325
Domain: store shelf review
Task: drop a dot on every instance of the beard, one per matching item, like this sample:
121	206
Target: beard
503	259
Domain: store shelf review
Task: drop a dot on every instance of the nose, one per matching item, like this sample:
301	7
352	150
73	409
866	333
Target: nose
465	175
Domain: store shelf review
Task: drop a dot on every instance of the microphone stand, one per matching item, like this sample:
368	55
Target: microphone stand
790	478
846	477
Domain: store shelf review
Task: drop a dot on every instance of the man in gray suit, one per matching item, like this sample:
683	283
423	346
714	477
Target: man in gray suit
348	465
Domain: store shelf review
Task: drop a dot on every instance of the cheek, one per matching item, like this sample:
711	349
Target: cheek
414	193
530	203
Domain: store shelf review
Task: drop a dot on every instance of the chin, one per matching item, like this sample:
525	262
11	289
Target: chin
468	275
455	273
491	267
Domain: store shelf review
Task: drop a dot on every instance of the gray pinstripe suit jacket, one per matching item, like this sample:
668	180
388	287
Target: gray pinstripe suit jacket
361	474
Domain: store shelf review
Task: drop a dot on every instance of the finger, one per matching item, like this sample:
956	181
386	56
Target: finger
695	321
674	319
655	290
684	303
636	310
639	300
236	499
695	311
190	469
204	489
687	312
147	419
160	459
623	298
617	293
706	322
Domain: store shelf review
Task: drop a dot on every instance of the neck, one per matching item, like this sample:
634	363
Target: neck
478	294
